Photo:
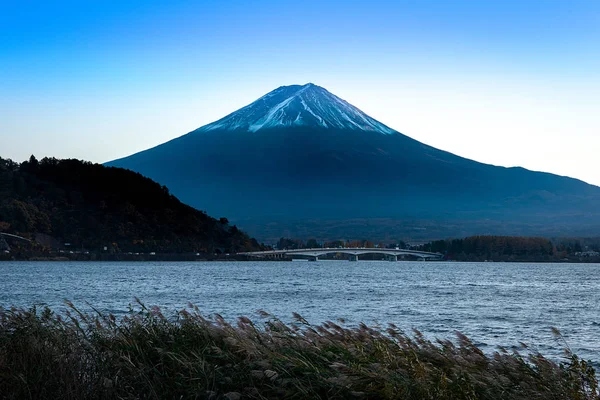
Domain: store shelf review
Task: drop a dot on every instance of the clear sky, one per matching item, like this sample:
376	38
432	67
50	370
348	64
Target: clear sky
511	82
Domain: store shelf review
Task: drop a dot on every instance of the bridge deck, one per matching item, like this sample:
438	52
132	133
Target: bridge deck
316	252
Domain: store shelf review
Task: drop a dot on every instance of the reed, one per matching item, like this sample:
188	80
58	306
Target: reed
145	354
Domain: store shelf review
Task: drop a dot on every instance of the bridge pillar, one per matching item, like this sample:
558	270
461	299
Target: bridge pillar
314	258
353	257
3	245
392	257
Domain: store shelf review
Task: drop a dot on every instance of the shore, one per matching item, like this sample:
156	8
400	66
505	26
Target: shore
88	256
149	355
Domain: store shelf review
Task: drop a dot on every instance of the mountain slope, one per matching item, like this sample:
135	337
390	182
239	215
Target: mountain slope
300	153
92	206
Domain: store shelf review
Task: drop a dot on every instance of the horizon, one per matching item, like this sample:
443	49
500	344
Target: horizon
506	84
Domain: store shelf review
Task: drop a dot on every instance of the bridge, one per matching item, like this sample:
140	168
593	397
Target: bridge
4	245
8	235
354	253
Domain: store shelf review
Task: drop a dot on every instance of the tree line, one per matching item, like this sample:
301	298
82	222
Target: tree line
492	248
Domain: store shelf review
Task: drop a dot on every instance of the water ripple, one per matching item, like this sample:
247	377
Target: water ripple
495	304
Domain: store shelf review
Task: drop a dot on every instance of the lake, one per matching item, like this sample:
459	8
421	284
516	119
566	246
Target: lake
493	303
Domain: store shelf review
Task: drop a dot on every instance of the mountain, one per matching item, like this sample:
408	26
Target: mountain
91	206
300	106
300	158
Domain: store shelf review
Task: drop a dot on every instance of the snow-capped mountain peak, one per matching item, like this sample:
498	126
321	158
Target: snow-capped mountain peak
298	105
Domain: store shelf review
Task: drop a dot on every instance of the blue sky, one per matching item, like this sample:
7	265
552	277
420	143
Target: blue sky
503	82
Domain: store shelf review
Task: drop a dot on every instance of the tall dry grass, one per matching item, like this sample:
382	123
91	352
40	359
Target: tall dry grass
146	355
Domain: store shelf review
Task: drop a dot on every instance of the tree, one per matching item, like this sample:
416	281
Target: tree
312	244
4	226
290	244
33	161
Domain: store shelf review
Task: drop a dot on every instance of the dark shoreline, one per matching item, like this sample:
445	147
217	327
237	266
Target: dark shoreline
233	258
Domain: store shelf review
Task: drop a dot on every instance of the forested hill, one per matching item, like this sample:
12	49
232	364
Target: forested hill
91	207
516	248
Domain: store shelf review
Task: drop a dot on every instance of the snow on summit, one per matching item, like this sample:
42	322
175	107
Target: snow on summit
308	105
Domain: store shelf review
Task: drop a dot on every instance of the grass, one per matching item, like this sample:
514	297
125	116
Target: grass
145	355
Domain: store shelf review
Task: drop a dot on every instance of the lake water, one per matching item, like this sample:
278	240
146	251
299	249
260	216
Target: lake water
493	303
